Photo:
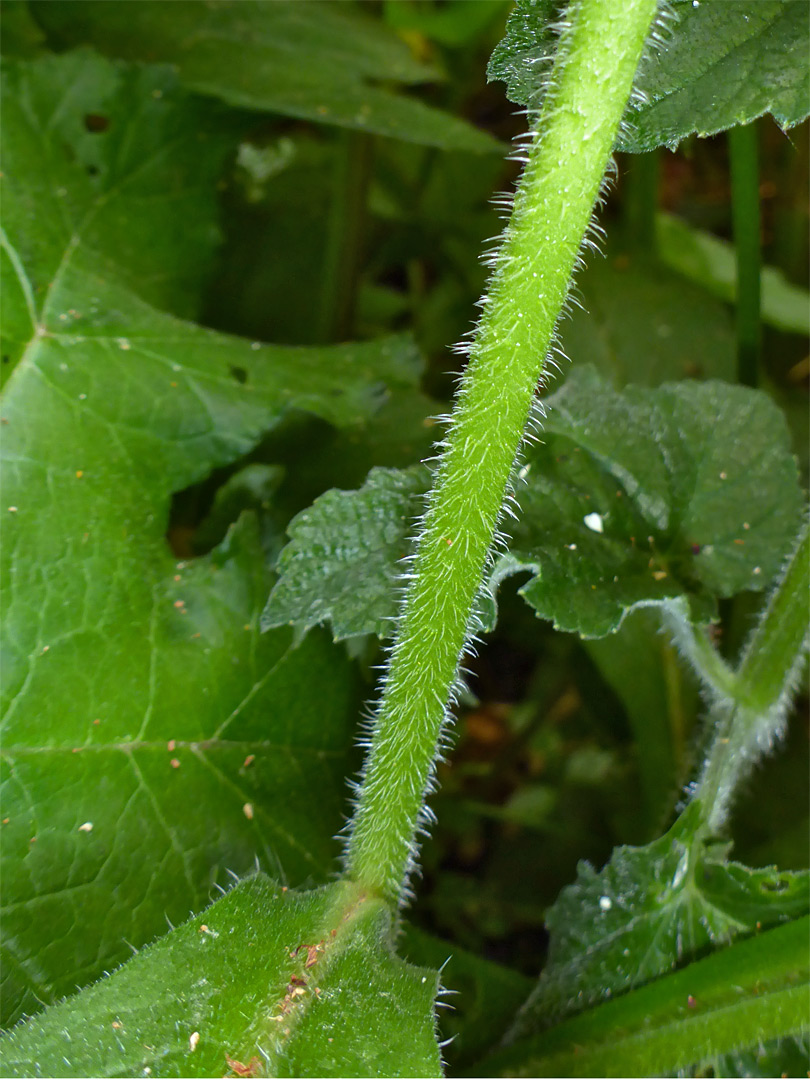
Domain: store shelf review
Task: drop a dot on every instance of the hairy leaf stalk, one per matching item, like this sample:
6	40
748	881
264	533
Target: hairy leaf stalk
592	79
750	715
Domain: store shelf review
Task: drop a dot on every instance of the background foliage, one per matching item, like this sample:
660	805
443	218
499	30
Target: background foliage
238	240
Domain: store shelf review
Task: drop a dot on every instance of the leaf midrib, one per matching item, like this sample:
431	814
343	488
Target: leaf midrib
193	745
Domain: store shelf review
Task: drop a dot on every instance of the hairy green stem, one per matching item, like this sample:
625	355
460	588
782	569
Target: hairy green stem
566	160
749	723
742	142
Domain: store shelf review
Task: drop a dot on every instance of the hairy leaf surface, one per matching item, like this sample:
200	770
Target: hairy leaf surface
152	739
725	62
266	979
483	996
317	61
341	564
720	63
646	496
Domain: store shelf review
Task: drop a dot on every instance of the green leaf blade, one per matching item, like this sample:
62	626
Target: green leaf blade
726	63
318	61
688	490
751	992
288	984
636	498
649	910
340	564
722	63
153	739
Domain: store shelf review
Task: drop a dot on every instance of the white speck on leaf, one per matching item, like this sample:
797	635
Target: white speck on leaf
87	827
193	1039
680	872
605	903
594	522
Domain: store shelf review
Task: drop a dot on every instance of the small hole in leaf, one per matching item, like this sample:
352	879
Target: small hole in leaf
240	374
96	123
775	885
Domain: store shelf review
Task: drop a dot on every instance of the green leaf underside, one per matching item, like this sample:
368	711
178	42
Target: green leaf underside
523	57
649	910
118	660
286	983
316	61
724	62
750	992
693	485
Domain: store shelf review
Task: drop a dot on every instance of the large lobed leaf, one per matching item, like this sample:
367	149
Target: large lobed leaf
153	739
317	61
266	982
725	62
683	493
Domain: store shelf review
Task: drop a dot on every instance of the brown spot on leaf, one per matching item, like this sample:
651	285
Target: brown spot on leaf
251	1069
95	123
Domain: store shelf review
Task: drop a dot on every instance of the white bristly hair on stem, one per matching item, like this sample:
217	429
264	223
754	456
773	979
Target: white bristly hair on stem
566	157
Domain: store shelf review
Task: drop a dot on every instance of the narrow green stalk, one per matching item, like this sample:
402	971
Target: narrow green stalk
345	237
695	645
565	164
748	725
781	636
742	142
641	200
